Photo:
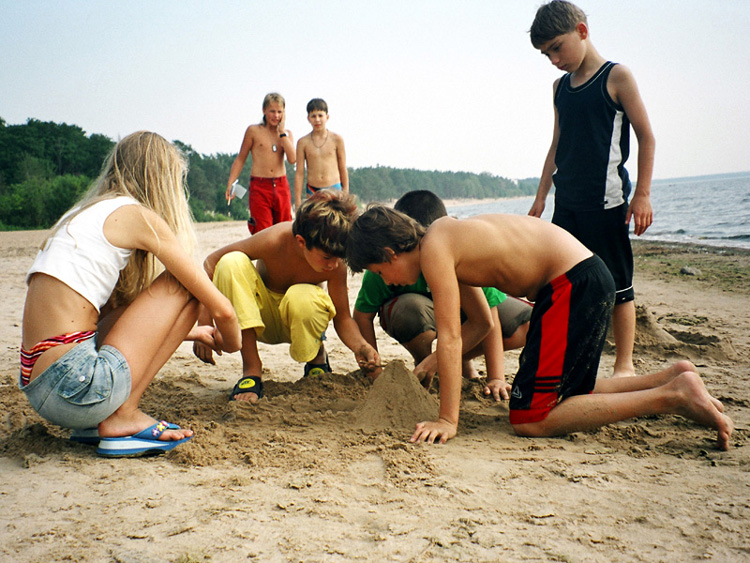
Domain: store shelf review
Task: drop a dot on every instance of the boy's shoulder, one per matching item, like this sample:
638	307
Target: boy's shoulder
275	238
255	129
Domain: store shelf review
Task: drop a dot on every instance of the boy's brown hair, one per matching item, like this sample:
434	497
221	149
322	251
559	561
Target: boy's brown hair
324	221
317	104
423	206
554	19
378	228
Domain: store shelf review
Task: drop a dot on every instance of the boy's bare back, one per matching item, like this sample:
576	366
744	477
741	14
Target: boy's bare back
517	254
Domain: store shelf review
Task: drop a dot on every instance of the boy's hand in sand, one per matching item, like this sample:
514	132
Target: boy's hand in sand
442	431
368	360
498	388
426	370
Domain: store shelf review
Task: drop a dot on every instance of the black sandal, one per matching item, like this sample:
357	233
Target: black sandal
248	384
315	370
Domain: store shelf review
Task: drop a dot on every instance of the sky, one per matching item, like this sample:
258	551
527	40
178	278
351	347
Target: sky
425	84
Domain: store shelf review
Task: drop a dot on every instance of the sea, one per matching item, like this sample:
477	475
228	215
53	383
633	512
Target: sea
708	210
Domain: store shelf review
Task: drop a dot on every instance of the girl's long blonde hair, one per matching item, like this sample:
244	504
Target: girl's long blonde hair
151	170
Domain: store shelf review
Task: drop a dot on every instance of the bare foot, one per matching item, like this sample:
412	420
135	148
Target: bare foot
681	367
468	370
246	397
122	424
697	404
248	389
624	372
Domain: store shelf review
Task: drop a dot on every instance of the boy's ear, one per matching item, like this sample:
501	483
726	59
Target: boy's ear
583	30
392	255
301	241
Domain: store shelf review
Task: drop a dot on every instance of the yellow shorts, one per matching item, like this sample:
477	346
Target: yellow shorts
300	316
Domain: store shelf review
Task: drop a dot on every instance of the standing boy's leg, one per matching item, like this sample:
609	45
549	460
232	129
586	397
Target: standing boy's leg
260	202
282	202
623	329
606	233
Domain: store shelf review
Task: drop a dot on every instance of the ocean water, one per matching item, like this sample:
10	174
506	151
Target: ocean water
708	210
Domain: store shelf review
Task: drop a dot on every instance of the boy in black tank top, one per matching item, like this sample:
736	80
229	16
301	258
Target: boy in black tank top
596	102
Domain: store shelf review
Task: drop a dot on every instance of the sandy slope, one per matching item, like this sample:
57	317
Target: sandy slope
321	470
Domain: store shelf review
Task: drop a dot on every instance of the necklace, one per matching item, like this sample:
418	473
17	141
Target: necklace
321	144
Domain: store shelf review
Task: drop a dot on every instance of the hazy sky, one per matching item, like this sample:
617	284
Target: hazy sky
430	84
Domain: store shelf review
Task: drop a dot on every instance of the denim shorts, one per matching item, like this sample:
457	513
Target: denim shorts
82	388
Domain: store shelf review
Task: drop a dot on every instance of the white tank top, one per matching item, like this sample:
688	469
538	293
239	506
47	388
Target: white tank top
80	256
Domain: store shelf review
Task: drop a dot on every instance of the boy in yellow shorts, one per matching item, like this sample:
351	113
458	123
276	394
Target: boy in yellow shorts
279	299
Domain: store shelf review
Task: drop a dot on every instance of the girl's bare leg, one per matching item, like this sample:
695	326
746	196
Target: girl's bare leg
147	332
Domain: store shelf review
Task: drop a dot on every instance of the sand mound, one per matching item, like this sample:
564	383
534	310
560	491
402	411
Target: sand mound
697	343
396	401
648	333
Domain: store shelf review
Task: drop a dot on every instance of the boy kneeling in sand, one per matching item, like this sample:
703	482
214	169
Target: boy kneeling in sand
555	390
280	298
406	312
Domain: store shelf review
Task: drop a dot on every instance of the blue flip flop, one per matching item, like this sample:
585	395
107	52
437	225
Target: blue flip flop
90	436
145	442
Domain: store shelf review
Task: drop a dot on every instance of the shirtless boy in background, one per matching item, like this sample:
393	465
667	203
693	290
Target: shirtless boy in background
268	142
322	151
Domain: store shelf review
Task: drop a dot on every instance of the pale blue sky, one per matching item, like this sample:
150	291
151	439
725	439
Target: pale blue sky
430	84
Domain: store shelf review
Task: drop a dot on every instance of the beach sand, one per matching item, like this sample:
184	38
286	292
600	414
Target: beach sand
321	469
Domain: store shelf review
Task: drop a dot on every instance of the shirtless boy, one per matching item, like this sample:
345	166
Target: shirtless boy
406	312
268	142
322	151
280	298
555	391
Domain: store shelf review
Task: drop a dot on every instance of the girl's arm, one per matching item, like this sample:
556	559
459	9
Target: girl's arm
134	226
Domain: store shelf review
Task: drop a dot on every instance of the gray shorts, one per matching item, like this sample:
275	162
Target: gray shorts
408	315
82	388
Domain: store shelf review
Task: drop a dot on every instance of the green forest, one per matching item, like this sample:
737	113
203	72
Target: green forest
45	167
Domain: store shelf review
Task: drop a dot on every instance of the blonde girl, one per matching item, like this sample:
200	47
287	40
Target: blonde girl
100	320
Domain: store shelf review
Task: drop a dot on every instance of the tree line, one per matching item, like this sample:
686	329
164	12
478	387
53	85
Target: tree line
45	167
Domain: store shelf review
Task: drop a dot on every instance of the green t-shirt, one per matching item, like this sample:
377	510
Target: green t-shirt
374	292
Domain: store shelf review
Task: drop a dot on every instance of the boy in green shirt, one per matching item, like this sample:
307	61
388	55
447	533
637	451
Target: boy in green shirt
406	312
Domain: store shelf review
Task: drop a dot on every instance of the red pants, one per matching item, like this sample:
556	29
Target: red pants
269	202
